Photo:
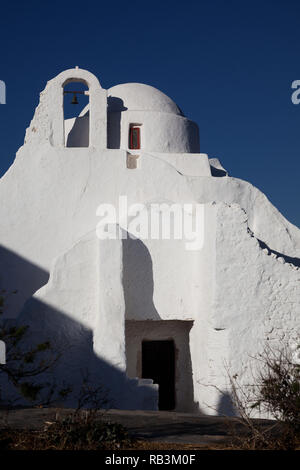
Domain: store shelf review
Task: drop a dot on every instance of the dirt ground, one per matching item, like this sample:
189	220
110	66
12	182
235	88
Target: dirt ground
159	430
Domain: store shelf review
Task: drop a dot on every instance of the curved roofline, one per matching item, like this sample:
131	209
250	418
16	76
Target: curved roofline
140	97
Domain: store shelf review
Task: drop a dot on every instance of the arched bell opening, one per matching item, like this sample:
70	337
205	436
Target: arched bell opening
76	123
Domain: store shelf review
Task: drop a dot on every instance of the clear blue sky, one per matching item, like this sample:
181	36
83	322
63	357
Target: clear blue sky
229	65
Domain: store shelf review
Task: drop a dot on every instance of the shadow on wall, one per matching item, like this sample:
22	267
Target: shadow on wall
115	106
79	134
225	406
76	340
287	259
143	322
138	281
217	171
75	343
19	274
67	335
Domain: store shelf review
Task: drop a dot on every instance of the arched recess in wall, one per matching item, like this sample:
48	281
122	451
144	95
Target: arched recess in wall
76	126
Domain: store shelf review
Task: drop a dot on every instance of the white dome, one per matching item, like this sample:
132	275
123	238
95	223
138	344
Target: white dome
140	97
163	126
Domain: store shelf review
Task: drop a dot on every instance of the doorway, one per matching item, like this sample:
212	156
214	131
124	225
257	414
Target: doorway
158	364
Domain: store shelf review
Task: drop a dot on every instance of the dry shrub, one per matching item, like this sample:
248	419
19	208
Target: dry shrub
276	392
80	430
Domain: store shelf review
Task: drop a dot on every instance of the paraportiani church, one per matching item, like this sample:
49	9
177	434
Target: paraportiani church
153	321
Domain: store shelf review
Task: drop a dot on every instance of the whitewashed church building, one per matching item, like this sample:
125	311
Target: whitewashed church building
151	319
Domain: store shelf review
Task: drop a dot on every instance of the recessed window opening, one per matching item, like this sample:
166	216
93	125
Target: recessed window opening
132	161
135	136
76	98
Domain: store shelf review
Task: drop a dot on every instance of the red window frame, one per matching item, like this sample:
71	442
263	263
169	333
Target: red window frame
136	129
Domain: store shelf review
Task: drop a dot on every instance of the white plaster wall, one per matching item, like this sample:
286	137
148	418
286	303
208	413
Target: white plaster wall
54	203
160	132
109	327
47	124
255	303
188	164
201	343
81	311
263	217
161	280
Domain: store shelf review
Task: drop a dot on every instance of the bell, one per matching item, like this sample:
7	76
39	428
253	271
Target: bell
74	99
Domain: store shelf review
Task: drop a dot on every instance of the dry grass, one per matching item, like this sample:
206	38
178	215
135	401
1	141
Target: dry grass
35	440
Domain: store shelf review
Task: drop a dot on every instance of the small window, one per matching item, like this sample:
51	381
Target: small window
135	137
